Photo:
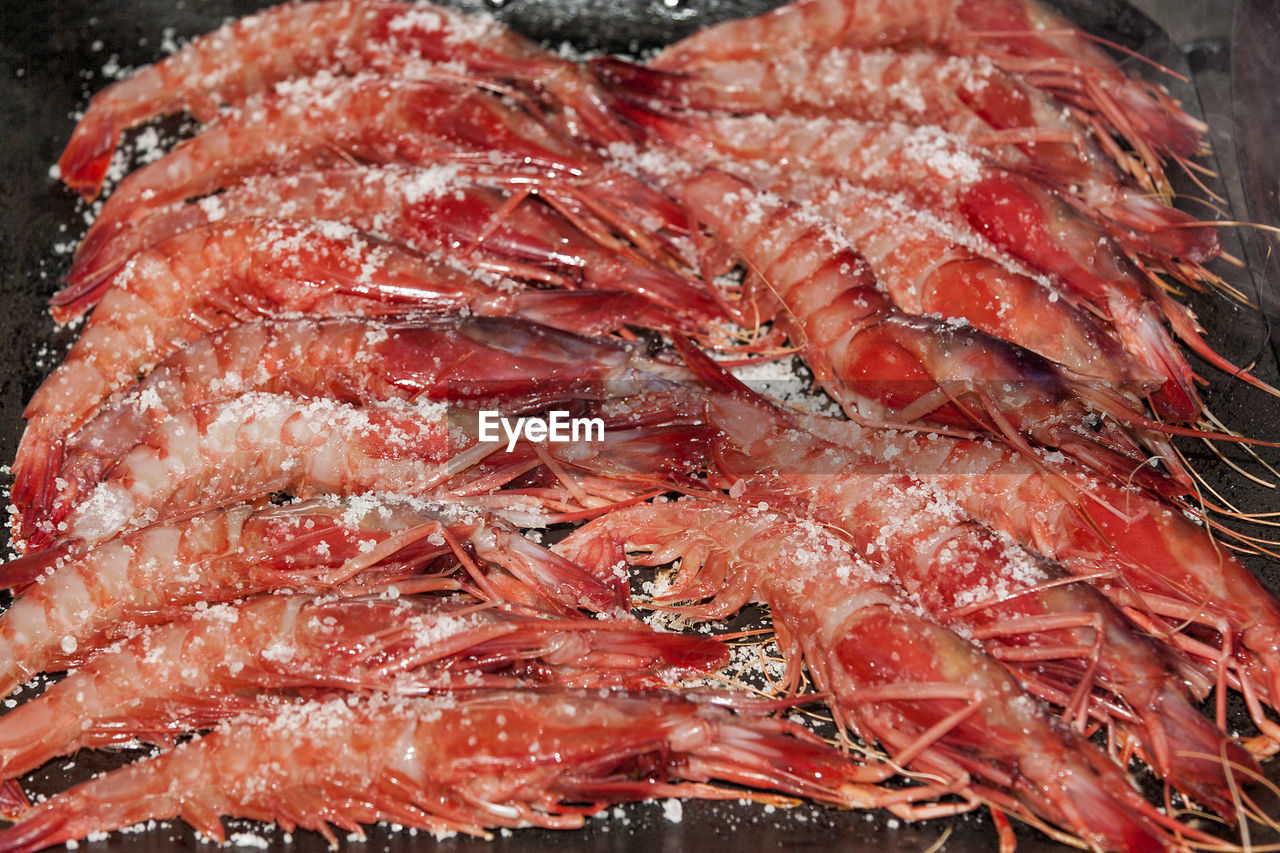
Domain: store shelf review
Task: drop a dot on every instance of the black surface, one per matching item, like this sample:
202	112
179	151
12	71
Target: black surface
51	57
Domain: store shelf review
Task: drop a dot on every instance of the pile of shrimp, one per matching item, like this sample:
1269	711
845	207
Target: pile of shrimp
265	523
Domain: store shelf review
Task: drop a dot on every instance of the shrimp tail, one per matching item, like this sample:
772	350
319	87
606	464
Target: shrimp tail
84	162
632	80
663	455
29	739
21	572
710	374
676	652
35	468
561	580
42	830
13	800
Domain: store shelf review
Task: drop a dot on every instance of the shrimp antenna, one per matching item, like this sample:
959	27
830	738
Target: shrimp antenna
1215	422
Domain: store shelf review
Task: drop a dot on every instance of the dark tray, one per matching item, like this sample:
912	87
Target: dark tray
52	53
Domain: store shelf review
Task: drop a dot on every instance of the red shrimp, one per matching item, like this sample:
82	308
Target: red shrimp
300	39
863	349
430	210
962	95
501	364
253	445
192	673
323	122
1016	126
1010	32
75	601
1166	571
1064	639
546	757
928	263
895	239
938	704
257	444
1061	232
202	280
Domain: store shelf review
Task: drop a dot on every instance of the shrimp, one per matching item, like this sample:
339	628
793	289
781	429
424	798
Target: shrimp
546	757
203	280
257	444
1058	635
325	121
192	673
1011	33
1014	125
936	702
885	163
1064	231
251	446
1164	570
74	601
226	67
895	238
430	210
501	364
928	263
914	367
